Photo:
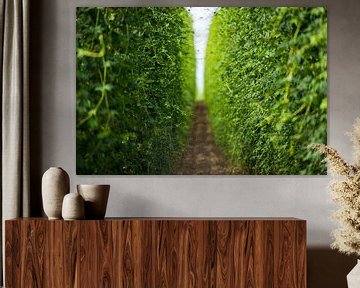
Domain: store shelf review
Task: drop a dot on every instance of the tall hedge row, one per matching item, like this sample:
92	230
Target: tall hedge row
266	87
135	89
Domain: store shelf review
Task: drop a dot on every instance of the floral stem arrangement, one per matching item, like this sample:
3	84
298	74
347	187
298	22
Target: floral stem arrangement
345	191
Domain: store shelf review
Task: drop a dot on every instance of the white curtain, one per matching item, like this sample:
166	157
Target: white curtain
14	36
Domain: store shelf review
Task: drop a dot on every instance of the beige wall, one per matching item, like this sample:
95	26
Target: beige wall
53	128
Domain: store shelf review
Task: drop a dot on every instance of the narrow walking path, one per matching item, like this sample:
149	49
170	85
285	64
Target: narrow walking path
201	155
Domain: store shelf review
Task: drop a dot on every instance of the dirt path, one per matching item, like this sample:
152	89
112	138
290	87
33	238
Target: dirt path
201	155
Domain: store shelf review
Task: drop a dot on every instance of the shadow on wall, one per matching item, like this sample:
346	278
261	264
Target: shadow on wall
35	94
328	268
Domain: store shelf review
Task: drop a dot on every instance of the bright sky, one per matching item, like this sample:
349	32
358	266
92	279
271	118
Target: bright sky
201	21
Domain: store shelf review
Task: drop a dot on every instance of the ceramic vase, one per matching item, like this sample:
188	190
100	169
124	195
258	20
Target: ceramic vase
96	198
73	207
55	185
353	278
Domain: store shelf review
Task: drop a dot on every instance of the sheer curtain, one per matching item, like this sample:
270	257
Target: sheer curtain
14	36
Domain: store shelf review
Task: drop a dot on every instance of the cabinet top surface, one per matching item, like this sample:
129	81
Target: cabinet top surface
174	219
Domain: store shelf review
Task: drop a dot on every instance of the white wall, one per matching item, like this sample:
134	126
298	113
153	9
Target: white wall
53	126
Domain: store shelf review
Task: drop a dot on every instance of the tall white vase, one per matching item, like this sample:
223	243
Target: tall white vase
353	278
55	185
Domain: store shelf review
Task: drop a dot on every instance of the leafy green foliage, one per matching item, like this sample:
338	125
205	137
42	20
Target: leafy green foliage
135	89
266	87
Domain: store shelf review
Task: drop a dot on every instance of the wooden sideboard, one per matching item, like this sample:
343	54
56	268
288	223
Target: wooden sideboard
156	252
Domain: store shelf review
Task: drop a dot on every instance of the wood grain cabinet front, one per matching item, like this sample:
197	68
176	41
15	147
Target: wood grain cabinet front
156	252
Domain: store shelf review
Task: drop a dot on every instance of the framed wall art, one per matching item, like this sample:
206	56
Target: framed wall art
200	90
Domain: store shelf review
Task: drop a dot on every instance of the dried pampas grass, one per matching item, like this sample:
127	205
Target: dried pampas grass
345	191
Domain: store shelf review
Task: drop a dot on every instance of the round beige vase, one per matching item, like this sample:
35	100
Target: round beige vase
96	198
55	185
73	207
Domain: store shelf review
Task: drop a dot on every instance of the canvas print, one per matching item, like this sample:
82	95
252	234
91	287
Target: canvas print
200	90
